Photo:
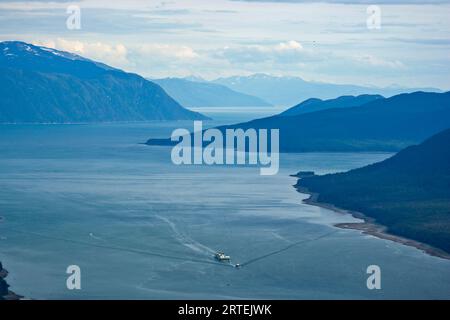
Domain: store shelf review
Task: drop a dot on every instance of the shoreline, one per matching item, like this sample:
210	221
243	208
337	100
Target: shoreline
4	274
369	226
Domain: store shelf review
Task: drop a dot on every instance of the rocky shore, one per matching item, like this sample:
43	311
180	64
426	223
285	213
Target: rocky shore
5	293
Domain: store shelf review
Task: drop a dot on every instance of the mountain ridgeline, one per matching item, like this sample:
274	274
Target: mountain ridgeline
408	193
314	104
206	94
43	85
287	91
378	125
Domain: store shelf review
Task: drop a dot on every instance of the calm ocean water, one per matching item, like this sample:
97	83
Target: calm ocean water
142	228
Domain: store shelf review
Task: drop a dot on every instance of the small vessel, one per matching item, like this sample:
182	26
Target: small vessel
221	256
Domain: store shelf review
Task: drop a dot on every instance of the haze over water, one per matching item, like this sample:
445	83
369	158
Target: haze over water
141	227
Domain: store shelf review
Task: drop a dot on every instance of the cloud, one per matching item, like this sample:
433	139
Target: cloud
318	40
368	2
371	60
422	41
118	55
114	55
290	45
284	52
168	51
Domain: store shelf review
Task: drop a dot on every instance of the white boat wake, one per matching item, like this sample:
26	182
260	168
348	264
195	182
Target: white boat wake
186	240
94	236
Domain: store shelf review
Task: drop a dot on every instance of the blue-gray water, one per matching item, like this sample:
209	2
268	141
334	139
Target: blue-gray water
85	194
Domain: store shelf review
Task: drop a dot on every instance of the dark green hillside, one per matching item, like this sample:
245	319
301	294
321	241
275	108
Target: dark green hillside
409	192
39	84
380	125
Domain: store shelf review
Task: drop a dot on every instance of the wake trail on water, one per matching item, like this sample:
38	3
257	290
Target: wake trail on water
93	236
174	257
267	255
186	240
280	237
124	249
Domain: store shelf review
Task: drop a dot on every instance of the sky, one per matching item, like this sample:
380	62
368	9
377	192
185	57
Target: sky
329	41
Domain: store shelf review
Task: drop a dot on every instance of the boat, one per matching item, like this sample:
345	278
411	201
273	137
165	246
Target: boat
221	256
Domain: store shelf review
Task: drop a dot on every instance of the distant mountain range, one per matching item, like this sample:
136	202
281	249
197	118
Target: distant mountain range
197	93
39	84
314	104
409	192
379	125
287	91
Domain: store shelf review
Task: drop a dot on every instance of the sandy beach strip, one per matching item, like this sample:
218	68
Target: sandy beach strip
370	227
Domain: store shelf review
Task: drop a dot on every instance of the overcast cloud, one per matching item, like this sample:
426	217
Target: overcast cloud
326	41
